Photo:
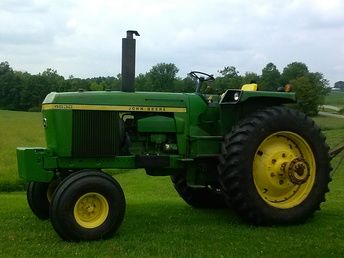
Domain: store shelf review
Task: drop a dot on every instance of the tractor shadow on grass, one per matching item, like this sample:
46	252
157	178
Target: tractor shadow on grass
175	216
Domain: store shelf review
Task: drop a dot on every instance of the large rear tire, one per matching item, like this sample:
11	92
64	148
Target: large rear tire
87	205
275	167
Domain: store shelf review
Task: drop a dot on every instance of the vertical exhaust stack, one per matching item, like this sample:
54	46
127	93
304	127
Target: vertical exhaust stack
128	61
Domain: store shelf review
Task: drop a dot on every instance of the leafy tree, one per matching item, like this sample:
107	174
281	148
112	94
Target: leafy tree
188	84
270	79
339	85
5	68
230	79
141	83
250	77
116	82
95	86
23	91
229	72
74	84
162	77
310	89
293	71
54	81
10	88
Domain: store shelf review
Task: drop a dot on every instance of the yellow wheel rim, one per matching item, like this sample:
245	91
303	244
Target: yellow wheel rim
284	170
91	210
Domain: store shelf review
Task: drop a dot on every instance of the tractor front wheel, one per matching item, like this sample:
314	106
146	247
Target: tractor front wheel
275	167
87	205
39	196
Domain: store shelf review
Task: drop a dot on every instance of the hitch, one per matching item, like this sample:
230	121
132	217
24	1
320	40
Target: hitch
336	150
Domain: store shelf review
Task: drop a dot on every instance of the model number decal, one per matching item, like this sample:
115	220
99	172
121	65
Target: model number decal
151	109
113	108
63	106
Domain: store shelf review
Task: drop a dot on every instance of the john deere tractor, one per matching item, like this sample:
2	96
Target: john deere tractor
244	149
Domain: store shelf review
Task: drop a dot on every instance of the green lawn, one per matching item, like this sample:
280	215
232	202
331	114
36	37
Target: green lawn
329	123
159	224
335	98
16	129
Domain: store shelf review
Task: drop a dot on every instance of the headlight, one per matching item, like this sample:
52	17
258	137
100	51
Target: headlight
236	96
45	123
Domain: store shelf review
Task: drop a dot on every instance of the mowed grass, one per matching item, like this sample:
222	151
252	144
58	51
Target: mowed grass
17	129
335	98
327	123
159	224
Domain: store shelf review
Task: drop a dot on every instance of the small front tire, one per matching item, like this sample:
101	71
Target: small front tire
88	205
39	195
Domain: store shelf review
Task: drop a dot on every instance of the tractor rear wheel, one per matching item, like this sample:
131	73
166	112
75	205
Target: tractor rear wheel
275	167
39	195
87	205
206	197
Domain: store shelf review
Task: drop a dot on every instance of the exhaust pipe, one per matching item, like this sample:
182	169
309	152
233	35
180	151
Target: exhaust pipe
128	61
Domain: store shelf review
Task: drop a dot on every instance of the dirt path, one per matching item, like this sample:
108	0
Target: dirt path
331	115
330	107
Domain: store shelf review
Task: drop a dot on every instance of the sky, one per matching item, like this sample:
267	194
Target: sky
83	37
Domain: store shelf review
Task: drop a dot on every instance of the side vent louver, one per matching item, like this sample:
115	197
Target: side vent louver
95	133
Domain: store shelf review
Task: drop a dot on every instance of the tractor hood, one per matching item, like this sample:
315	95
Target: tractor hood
116	100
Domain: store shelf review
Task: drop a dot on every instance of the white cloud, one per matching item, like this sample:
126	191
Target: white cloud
83	38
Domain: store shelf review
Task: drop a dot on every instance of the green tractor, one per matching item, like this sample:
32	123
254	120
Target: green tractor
244	149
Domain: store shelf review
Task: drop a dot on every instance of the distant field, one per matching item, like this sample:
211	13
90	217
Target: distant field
329	123
335	98
16	129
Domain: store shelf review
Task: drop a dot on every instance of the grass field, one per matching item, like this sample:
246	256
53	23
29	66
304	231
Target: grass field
16	129
335	98
157	222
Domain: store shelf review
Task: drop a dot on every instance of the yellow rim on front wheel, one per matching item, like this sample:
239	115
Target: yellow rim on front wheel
91	210
284	169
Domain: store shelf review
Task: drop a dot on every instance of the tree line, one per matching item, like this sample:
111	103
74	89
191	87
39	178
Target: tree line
24	91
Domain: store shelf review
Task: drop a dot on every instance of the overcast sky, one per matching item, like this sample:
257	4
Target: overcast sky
83	37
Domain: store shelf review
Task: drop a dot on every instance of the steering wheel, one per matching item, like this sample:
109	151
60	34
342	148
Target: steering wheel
201	79
198	76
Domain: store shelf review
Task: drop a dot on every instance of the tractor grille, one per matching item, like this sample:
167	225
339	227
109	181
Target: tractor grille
95	133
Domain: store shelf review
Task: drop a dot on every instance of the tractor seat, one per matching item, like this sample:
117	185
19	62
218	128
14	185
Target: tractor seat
249	87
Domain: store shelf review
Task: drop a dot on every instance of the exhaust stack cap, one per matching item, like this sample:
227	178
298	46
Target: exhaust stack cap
128	61
131	33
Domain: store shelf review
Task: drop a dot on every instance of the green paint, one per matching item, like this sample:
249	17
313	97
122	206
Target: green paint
31	164
185	127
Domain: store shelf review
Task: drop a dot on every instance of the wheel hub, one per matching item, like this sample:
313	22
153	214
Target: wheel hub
298	171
